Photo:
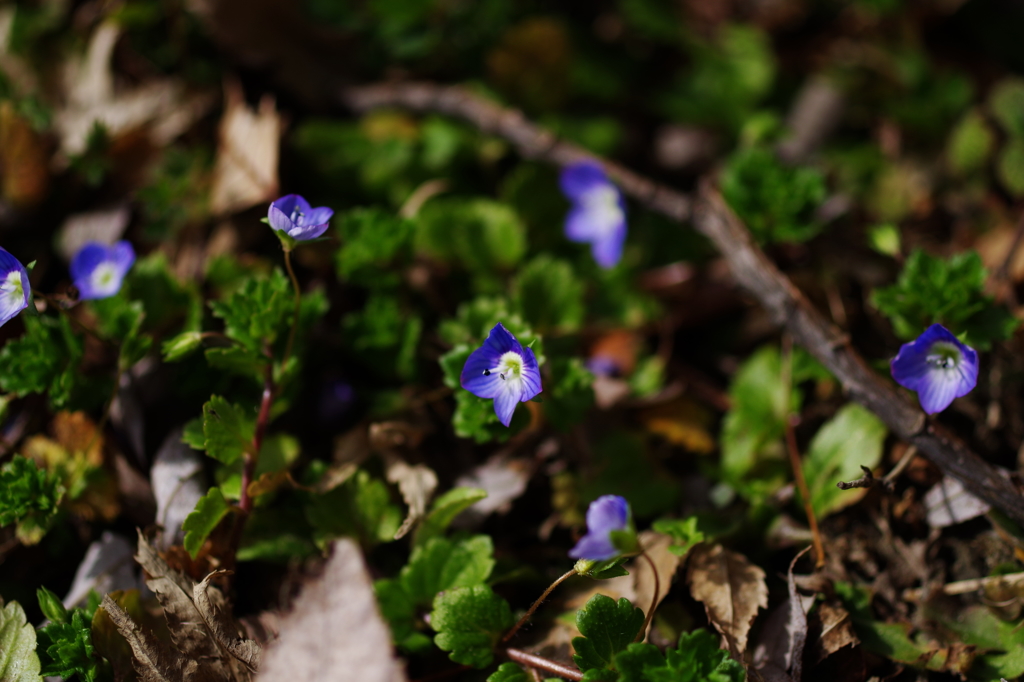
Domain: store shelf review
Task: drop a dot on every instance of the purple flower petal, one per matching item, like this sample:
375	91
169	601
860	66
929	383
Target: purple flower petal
937	366
305	232
607	251
502	370
604	515
293	215
99	270
279	220
319	216
581	177
14	286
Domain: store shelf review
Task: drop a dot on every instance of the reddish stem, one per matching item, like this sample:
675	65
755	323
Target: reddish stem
262	420
537	603
532	661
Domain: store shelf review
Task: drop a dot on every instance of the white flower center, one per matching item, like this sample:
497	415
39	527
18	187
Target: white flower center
104	278
297	216
602	206
943	355
509	369
12	286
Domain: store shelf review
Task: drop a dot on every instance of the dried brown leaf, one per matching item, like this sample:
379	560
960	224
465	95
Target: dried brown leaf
417	484
223	628
245	173
334	631
153	661
23	158
732	590
665	562
835	627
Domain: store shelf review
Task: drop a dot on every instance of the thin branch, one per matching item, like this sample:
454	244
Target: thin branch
749	265
865	481
532	661
805	493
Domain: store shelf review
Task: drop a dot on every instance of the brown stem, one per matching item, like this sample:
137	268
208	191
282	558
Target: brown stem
654	600
750	267
250	459
298	306
801	484
544	595
520	656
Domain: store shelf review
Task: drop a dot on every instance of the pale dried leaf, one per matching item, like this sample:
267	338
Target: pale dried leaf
948	503
107	566
245	173
224	629
504	480
334	631
178	482
732	590
417	484
105	226
665	562
161	104
153	661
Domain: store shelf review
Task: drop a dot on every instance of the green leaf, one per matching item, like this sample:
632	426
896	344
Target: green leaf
398	610
776	201
696	659
474	321
469	621
383	325
371	240
361	507
208	513
549	295
1010	166
29	496
117	316
44	360
19	661
51	606
227	430
570	395
444	510
238	360
66	648
1006	102
948	291
885	239
761	403
258	312
684	533
970	144
508	672
441	564
608	627
851	439
481	234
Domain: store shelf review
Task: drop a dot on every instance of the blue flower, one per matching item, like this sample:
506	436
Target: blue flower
606	514
504	370
937	366
598	213
98	270
14	286
294	216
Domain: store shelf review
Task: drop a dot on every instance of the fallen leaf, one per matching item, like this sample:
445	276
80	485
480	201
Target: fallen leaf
161	104
503	479
245	173
153	661
105	226
665	563
223	628
831	629
732	590
178	482
23	158
417	484
106	567
111	644
948	503
340	602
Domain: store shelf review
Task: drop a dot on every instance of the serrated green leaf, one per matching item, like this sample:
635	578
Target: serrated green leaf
238	360
549	295
192	434
169	304
398	609
208	513
258	312
66	648
608	627
469	621
851	439
696	659
228	430
371	240
29	496
19	661
44	360
508	672
444	510
51	606
441	564
949	291
684	533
